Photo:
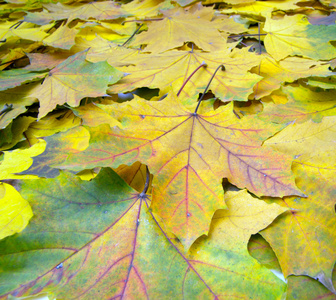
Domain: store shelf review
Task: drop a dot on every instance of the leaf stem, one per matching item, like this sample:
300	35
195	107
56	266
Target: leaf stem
259	41
203	64
144	191
134	33
222	67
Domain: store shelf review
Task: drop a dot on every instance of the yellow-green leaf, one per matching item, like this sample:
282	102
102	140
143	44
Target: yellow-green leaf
72	80
294	35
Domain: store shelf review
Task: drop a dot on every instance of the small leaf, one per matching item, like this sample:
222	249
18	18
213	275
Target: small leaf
19	160
15	212
72	80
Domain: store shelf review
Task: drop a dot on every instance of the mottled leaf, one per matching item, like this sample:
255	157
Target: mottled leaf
294	35
116	248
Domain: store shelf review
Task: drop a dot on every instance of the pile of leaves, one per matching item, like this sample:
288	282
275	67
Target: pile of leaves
167	149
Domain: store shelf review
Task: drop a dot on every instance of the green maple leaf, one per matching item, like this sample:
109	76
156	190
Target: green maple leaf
98	239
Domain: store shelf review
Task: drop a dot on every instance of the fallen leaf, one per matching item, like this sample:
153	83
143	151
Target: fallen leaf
15	212
304	286
212	145
294	35
304	104
309	229
174	67
63	37
12	78
19	160
73	80
59	146
178	27
120	249
286	70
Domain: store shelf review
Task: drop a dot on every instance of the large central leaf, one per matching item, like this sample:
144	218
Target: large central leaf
189	154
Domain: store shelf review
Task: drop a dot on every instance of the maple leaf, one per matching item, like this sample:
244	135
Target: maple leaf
304	104
12	78
59	146
92	10
101	49
119	248
73	80
258	9
212	145
189	240
176	28
63	38
18	160
15	211
315	166
14	102
287	70
294	35
174	67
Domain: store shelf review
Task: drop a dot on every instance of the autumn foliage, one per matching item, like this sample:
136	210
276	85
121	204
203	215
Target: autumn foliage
167	149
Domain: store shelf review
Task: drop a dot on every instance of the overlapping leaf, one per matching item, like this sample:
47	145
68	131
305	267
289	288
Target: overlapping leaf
211	145
304	104
100	239
15	211
174	67
178	27
72	80
93	10
287	70
120	249
310	227
294	35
